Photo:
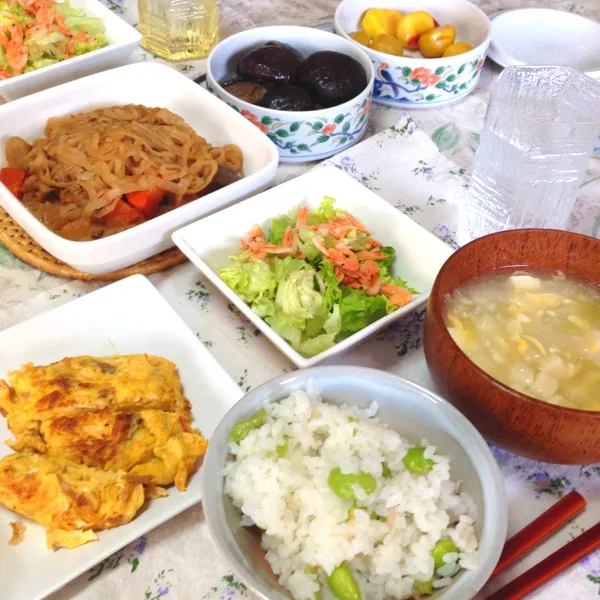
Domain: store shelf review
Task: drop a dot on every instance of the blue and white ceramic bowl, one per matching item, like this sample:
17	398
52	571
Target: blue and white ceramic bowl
417	82
304	135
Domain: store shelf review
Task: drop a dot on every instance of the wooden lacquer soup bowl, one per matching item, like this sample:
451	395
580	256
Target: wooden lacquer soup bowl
519	423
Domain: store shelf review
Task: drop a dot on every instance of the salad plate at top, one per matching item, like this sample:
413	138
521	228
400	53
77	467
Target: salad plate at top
121	38
313	311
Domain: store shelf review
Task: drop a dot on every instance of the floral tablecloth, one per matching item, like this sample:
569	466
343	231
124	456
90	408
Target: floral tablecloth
419	162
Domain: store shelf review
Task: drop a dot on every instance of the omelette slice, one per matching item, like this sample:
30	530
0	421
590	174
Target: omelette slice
112	413
71	501
74	385
153	443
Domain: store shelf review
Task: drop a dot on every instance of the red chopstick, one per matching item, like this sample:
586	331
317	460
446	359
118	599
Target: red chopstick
550	567
531	535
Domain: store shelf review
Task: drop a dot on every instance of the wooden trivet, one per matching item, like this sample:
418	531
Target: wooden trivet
27	250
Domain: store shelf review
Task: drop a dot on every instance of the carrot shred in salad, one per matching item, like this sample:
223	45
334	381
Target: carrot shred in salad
39	33
317	277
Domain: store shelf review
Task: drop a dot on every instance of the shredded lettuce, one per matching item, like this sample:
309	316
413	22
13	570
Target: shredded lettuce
49	45
301	298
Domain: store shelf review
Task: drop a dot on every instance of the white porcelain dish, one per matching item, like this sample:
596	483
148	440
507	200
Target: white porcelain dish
101	324
420	255
150	84
123	40
516	42
300	136
412	81
412	411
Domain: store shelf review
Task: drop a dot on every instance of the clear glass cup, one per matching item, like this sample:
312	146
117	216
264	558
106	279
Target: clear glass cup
540	128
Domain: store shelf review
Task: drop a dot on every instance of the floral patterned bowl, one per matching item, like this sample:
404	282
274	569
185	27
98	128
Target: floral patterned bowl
305	135
414	81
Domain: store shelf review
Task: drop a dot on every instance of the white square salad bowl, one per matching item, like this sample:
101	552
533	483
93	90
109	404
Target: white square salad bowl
419	254
122	41
151	85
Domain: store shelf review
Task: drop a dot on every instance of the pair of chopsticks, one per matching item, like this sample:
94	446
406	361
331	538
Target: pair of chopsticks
531	535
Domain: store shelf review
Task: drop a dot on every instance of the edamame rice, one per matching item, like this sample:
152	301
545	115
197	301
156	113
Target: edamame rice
348	508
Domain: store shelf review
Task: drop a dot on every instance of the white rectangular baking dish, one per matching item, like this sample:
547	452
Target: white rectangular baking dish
149	84
123	39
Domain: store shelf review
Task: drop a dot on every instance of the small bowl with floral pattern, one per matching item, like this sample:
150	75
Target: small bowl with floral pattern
413	81
300	136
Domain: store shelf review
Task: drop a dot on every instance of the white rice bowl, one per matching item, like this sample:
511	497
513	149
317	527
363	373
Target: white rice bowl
387	545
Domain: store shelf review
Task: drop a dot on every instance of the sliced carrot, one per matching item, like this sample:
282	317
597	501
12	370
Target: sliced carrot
123	214
147	201
13	179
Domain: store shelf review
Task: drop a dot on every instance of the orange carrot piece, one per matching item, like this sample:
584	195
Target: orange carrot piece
13	179
146	201
123	214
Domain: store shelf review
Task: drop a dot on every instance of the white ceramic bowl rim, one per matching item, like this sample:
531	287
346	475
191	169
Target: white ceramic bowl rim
495	519
301	114
418	60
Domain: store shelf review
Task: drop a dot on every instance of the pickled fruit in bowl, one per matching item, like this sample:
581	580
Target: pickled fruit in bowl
457	48
434	43
377	21
415	31
273	62
387	43
331	78
362	37
412	26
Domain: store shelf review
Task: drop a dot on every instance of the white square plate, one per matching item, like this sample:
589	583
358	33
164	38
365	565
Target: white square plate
419	254
152	85
122	41
124	318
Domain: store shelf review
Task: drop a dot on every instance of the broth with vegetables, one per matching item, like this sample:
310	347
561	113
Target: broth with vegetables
539	335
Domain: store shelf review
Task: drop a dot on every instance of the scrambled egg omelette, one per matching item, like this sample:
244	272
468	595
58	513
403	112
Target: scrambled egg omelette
94	437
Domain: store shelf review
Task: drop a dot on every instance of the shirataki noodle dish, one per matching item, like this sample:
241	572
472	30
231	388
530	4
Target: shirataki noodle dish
347	508
97	173
537	335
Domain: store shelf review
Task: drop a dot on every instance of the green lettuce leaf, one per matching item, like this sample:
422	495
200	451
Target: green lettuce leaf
251	281
278	227
297	297
333	292
316	345
95	43
290	328
11	14
357	240
306	246
284	267
391	254
325	212
359	310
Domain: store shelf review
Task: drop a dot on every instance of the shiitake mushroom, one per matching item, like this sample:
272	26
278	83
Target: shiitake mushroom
288	97
331	78
273	62
277	76
246	90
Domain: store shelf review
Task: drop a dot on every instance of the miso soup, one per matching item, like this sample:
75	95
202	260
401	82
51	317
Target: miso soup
539	335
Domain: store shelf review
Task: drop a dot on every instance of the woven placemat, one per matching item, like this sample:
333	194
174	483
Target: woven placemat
27	250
